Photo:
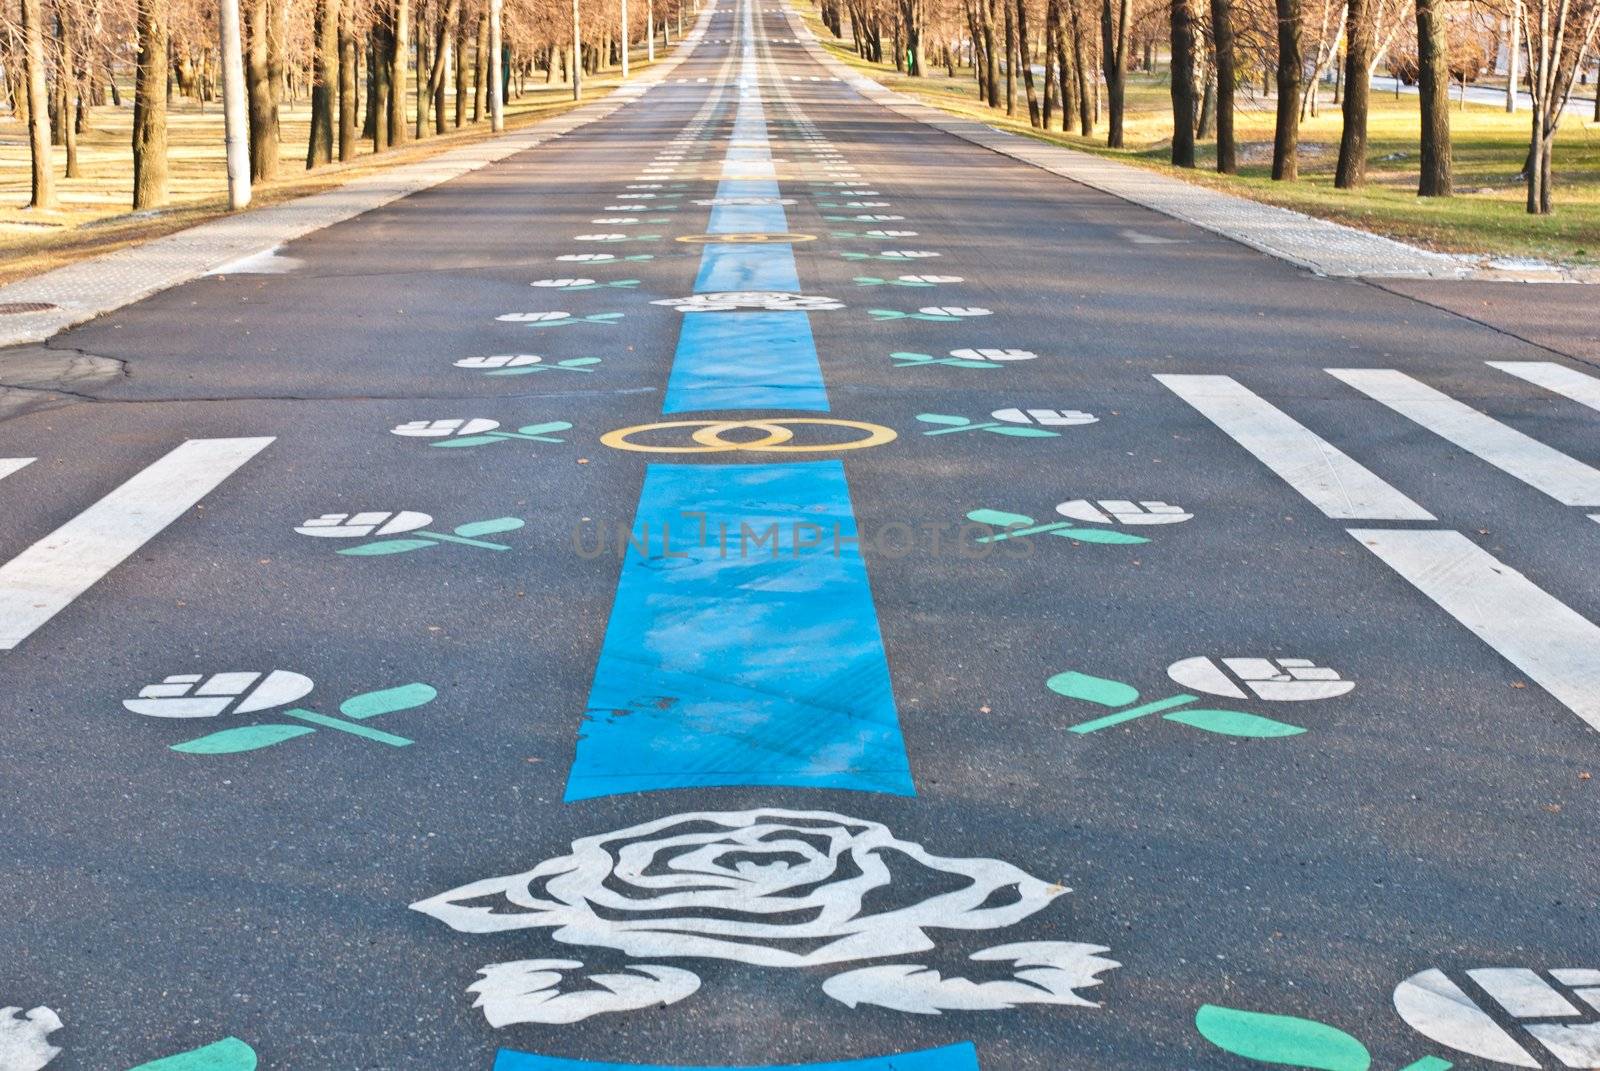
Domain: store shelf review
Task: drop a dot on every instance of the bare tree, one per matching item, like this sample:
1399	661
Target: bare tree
1558	35
1182	80
1286	134
1433	93
44	195
150	107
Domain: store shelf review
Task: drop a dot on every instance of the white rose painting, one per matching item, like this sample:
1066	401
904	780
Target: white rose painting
772	888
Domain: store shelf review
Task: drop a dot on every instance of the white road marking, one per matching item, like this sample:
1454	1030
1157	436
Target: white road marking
8	465
1551	643
1568	481
1330	479
42	580
1522	993
1559	379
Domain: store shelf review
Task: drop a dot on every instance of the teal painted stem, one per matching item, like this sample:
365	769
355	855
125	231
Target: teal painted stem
519	435
964	427
347	727
1035	530
464	540
1135	712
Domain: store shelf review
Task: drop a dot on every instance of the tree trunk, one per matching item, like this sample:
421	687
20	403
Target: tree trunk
1286	135
378	92
66	94
443	39
324	83
1359	32
1114	56
1025	60
348	83
1182	80
480	70
463	87
1206	123
991	63
37	104
1433	94
262	99
150	107
1048	105
1513	54
1011	62
399	19
1088	97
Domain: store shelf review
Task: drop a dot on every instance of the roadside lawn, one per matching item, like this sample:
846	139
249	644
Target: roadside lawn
1487	215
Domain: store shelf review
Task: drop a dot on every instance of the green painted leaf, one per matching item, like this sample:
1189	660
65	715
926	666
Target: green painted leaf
229	1054
578	362
1234	723
867	280
387	546
1026	433
483	528
999	518
467	440
546	429
1428	1063
388	700
1099	535
523	371
1098	690
1281	1039
941	418
912	356
244	738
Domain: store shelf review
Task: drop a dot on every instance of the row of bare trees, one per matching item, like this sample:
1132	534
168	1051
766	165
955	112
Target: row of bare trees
1086	48
384	71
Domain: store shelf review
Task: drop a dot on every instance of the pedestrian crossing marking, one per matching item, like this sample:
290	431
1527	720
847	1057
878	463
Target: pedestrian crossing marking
1330	479
1553	644
45	578
1568	481
1585	390
9	465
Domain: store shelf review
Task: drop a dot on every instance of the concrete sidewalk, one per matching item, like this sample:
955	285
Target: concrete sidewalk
81	291
1318	245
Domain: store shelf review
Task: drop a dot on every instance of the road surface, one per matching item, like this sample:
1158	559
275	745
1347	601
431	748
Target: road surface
758	581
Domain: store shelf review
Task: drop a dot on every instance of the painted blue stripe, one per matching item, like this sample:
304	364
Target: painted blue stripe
752	665
748	219
962	1057
745	360
747	266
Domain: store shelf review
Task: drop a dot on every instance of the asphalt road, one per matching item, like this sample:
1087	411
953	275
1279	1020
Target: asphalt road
867	787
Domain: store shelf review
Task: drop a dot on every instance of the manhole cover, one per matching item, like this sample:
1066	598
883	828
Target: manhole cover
12	308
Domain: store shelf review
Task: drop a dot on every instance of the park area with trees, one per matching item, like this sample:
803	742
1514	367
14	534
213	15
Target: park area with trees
112	107
1462	124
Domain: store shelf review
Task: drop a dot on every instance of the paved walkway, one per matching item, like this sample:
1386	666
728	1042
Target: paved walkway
90	288
1317	245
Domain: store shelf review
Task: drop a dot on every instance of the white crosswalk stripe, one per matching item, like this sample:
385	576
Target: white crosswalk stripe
45	578
1565	479
8	465
1560	379
1330	479
1554	645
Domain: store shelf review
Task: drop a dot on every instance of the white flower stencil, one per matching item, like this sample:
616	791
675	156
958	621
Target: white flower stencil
772	888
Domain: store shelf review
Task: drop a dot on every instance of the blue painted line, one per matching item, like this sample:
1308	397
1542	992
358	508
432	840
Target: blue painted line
745	360
747	266
752	664
962	1057
747	219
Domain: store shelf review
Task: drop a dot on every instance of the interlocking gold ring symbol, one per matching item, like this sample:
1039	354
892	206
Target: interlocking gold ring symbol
754	238
708	435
